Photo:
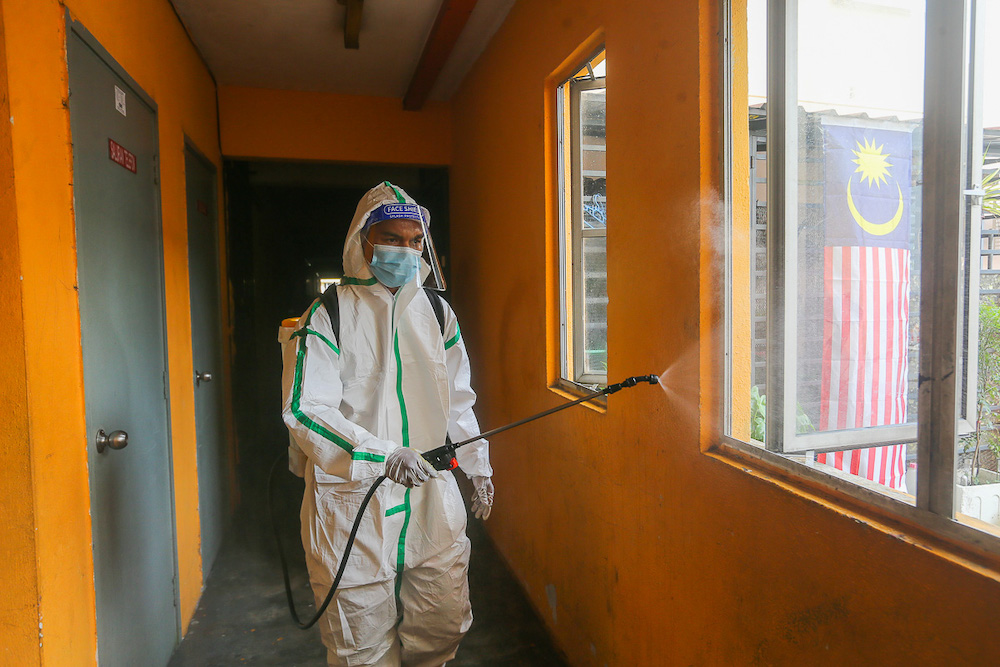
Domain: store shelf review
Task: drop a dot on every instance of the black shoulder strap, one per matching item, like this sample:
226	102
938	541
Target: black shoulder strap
331	302
437	304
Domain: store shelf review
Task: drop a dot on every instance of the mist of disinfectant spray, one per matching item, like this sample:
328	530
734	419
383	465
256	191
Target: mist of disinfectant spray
676	381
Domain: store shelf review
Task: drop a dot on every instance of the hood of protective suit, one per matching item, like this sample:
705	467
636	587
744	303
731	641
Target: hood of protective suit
354	257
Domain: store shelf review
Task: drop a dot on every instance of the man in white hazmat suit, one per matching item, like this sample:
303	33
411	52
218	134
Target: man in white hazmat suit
394	383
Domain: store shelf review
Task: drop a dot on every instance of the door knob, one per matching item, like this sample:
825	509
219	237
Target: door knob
200	377
117	440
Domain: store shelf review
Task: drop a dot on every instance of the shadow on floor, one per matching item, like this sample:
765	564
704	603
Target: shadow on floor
243	619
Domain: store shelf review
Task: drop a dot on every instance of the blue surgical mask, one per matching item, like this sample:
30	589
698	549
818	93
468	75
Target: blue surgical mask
394	266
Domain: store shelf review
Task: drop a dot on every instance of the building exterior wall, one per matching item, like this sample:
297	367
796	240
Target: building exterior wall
636	546
149	42
298	125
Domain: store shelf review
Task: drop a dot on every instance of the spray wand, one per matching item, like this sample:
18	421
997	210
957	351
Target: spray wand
442	458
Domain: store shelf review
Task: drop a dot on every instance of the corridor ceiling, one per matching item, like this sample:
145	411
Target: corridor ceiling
299	44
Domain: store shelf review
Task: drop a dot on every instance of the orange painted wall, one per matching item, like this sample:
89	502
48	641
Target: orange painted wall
19	596
637	547
148	41
297	125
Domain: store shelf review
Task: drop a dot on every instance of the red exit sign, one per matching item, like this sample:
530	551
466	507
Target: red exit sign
120	155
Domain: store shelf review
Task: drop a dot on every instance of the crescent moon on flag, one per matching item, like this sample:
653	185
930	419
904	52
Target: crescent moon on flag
875	228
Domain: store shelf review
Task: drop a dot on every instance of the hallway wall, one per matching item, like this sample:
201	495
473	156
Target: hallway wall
300	125
149	42
637	547
19	600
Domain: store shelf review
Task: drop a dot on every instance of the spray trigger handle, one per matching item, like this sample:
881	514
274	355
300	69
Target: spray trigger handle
442	458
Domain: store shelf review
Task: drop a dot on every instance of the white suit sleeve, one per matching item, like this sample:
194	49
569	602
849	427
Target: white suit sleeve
474	459
312	391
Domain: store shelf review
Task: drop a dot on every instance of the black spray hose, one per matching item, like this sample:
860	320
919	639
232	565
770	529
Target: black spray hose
442	458
281	552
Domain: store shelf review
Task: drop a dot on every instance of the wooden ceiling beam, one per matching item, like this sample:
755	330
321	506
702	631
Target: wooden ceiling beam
448	26
352	23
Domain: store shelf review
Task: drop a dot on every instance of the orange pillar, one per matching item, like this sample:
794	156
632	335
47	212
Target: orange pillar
18	575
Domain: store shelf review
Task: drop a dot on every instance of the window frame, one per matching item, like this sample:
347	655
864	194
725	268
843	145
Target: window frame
949	272
572	328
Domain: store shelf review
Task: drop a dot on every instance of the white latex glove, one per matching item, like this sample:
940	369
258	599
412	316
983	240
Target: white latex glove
482	499
407	467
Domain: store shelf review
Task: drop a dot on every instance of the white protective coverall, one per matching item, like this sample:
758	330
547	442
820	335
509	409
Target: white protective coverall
391	380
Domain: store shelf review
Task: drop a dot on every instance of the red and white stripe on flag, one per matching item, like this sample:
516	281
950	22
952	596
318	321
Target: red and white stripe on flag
865	335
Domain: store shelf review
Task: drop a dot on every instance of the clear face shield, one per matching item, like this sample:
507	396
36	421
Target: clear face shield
430	275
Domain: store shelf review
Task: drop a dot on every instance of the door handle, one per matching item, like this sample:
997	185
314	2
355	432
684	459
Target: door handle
117	440
200	377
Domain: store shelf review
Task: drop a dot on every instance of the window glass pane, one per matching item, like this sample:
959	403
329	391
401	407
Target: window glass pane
595	307
593	221
852	236
977	490
860	100
751	281
593	160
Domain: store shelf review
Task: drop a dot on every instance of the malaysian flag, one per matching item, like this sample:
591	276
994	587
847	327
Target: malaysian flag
866	293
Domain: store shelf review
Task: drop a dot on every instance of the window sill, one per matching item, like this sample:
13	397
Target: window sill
574	390
977	549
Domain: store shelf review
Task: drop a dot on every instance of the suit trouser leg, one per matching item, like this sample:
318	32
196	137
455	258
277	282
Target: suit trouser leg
436	608
359	626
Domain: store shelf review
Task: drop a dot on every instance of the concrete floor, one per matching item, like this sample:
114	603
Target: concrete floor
243	619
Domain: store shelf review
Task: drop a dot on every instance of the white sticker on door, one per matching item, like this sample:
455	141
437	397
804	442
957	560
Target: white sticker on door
120	100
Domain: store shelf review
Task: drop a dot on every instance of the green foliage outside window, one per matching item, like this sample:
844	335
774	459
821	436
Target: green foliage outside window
758	416
986	435
991	189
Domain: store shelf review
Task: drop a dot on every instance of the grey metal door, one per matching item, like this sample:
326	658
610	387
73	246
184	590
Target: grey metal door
119	254
206	343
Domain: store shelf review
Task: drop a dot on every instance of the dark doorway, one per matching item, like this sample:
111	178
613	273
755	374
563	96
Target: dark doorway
287	226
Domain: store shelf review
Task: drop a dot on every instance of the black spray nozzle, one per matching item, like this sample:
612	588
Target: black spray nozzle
630	382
